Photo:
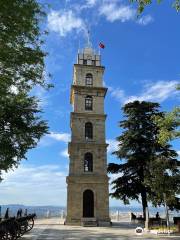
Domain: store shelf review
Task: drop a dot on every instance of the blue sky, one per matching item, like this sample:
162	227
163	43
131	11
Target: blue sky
141	58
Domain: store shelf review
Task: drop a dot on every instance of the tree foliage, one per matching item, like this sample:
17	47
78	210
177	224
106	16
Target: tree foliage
20	128
140	153
21	56
164	179
21	68
169	125
143	3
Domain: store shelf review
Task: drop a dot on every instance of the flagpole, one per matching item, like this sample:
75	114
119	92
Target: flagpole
79	46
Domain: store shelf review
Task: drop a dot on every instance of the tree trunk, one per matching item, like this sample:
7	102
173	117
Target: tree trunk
147	219
144	203
167	213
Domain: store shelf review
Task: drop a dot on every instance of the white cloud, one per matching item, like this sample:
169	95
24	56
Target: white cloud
113	12
153	91
71	18
62	137
42	96
87	5
118	93
113	145
64	22
91	2
34	185
45	142
178	152
157	92
49	139
64	153
144	20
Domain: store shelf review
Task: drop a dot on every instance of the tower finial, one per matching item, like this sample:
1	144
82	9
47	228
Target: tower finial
89	44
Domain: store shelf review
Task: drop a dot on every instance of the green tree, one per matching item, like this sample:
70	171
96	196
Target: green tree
139	151
21	68
164	179
143	3
21	56
169	125
20	128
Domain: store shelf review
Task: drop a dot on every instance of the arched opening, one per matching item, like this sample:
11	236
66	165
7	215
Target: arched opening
88	203
88	130
89	79
88	103
88	162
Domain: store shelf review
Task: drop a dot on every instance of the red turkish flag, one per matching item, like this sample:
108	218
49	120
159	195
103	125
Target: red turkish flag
101	45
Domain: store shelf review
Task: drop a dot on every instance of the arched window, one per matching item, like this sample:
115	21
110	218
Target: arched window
88	130
88	103
88	162
89	79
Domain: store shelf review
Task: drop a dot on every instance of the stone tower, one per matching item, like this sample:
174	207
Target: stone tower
88	195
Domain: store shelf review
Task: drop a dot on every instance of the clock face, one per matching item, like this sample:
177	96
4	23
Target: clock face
89	57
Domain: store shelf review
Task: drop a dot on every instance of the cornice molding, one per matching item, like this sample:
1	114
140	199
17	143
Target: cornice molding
88	143
103	89
89	66
88	115
91	178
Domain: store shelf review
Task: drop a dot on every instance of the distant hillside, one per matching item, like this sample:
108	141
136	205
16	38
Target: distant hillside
60	211
41	211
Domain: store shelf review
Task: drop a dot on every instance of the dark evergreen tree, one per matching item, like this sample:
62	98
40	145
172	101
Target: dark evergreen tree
139	152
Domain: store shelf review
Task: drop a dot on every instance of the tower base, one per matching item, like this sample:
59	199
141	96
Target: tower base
88	222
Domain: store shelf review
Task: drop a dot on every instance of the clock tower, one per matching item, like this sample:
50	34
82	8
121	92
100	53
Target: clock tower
87	183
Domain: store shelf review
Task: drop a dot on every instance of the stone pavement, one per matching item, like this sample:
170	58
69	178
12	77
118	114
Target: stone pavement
53	229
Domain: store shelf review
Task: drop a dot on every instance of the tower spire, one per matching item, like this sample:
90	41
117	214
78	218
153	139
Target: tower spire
89	44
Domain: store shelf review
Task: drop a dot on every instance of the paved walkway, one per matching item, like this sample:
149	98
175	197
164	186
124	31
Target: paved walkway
53	229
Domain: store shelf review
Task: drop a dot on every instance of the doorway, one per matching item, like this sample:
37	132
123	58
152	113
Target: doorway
88	203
